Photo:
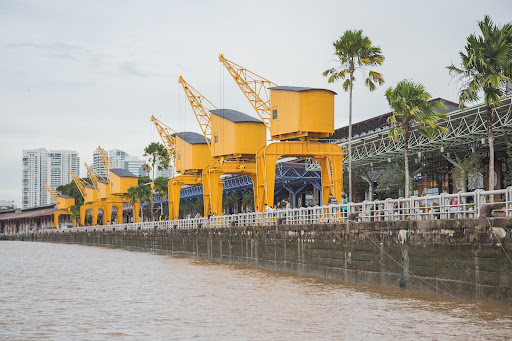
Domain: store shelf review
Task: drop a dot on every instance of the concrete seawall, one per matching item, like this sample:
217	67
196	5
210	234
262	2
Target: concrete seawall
457	257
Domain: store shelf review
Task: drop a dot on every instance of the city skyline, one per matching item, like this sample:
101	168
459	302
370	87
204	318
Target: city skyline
61	73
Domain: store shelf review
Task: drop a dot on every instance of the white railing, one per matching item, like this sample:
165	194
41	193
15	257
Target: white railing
443	206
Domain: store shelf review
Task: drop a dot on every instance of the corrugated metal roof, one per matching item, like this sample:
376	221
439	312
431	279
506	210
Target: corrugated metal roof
298	89
234	115
33	212
191	137
122	173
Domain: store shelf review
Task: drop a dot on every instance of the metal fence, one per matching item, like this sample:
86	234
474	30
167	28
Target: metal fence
443	206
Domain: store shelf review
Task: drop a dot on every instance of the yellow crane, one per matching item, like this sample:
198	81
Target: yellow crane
63	203
94	196
190	154
296	117
234	140
90	195
113	190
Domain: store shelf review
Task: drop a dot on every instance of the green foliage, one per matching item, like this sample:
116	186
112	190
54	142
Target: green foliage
72	190
248	198
75	211
359	186
410	104
485	64
199	205
139	193
356	53
161	187
230	202
186	209
466	172
144	179
391	182
156	153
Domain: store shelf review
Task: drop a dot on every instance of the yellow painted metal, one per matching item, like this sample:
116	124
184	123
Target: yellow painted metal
213	184
201	107
233	140
191	158
329	156
254	87
119	184
107	163
300	114
174	187
103	199
62	202
168	136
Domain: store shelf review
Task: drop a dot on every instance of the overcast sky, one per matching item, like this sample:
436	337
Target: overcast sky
78	74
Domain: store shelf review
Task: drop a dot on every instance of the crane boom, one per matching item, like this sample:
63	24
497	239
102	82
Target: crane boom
167	135
254	87
53	192
201	107
107	163
80	183
94	177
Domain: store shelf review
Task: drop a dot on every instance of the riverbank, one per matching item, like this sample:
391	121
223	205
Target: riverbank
453	257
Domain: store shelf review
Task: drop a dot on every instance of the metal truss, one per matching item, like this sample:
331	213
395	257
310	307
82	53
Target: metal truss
286	172
466	127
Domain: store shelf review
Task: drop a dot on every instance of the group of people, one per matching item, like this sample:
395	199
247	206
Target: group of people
277	206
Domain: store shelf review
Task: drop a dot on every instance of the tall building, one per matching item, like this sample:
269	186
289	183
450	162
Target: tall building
51	167
166	173
134	165
116	156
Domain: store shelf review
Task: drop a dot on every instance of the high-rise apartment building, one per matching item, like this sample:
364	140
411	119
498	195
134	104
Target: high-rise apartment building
116	156
134	165
51	167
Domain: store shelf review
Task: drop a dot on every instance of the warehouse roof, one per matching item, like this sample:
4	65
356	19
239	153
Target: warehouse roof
234	115
298	89
33	212
122	173
191	137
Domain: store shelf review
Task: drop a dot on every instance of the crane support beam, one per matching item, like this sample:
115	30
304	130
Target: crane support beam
174	189
107	163
213	184
329	156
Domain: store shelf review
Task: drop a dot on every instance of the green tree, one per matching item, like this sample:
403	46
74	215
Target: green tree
485	66
156	153
161	189
144	180
75	212
140	194
356	54
465	171
410	104
248	199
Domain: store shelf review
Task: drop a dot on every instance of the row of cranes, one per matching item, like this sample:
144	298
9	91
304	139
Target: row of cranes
104	194
235	143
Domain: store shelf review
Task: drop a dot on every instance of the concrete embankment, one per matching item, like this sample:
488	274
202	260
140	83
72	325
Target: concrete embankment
457	257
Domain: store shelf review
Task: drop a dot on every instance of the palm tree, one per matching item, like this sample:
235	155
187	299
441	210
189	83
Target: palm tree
355	53
161	189
486	65
156	153
139	193
410	104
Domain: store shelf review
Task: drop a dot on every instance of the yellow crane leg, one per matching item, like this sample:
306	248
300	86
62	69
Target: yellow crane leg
330	156
175	185
136	212
83	211
56	219
119	213
107	213
95	215
213	185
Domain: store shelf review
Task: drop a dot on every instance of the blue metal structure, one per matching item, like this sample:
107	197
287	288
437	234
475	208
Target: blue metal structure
290	176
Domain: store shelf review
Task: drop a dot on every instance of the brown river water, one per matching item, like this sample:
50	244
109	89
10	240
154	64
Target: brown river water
72	292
